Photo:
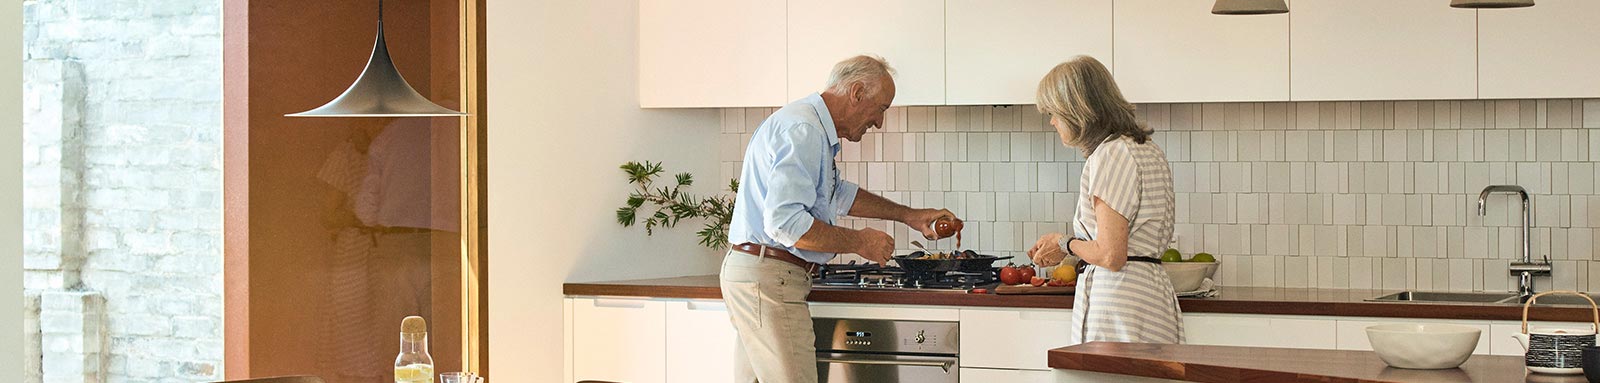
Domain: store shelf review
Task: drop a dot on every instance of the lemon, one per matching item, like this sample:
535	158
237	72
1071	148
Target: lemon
414	373
1064	272
1203	257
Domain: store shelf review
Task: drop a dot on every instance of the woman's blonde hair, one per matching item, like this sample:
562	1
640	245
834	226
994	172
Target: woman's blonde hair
1082	94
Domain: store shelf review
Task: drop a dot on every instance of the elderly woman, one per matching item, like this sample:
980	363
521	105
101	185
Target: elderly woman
1125	211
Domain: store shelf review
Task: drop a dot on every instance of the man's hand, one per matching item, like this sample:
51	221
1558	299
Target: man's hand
921	220
1047	251
874	245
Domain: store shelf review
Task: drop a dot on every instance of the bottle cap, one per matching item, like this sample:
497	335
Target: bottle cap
414	325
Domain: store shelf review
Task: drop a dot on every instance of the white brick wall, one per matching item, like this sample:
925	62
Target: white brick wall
123	176
1306	194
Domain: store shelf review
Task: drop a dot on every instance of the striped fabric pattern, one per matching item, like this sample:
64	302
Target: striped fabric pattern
1138	303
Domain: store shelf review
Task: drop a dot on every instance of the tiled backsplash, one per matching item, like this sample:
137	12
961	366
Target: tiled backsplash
1303	194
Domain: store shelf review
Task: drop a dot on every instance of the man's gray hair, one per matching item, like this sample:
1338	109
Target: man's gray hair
864	69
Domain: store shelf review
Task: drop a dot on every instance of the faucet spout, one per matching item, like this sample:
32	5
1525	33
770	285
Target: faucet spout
1527	268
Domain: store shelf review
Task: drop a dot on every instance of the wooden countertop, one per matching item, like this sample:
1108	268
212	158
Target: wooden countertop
1259	364
1240	300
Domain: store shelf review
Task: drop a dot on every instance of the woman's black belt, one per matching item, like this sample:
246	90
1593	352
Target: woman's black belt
1084	264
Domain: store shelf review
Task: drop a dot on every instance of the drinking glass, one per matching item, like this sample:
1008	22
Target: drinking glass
459	377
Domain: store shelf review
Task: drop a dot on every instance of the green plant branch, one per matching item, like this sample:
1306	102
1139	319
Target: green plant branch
670	205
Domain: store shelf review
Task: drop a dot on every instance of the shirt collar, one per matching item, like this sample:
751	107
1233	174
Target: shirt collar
815	99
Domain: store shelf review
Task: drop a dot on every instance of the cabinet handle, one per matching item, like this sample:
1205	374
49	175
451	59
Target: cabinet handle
946	365
620	303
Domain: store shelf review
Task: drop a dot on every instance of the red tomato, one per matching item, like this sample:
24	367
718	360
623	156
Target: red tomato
1010	275
1056	283
1036	281
1027	273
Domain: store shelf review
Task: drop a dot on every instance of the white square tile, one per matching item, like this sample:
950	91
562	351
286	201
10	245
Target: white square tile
1580	211
1376	241
1065	205
1042	206
999	145
877	177
1019	204
917	176
1275	209
1004	179
1306	240
964	177
1021	147
902	176
1302	177
1295	209
1360	274
1007	118
1025	176
1248	208
978	147
1549	145
1222	208
1278	241
1329	177
1346	208
1328	242
1199	208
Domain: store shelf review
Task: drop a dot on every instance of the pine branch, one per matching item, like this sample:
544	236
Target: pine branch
672	204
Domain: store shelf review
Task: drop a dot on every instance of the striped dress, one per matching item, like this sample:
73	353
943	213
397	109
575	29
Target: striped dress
1138	303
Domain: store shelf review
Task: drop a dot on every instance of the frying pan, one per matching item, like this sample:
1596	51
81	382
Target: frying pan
973	262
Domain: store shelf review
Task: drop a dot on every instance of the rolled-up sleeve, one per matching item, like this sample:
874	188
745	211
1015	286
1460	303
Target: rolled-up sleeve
844	196
792	187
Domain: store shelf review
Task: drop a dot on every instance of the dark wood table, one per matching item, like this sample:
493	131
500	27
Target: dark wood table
1261	364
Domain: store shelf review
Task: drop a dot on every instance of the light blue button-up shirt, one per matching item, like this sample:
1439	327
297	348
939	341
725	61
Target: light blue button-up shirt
789	178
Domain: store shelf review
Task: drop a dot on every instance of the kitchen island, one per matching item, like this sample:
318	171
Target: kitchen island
1261	364
677	329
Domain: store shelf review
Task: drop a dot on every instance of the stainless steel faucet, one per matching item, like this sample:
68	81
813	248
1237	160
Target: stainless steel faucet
1527	268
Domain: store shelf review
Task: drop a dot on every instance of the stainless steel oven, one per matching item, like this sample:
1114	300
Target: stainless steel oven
875	350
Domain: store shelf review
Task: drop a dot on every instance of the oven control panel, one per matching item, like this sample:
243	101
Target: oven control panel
838	334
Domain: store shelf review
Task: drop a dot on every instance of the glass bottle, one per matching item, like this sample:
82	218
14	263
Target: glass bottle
414	365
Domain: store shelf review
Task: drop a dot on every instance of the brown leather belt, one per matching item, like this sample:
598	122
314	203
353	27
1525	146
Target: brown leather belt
775	253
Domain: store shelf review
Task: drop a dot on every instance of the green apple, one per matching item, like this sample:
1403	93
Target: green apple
1172	255
1203	257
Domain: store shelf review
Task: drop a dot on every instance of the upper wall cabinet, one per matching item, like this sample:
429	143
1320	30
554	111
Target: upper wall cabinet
1381	50
998	50
699	53
907	33
1546	51
1177	51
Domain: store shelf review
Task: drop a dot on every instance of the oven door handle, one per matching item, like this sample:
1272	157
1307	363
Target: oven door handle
946	365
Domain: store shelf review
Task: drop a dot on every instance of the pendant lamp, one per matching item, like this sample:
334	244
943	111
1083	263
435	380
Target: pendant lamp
1491	3
380	91
1249	7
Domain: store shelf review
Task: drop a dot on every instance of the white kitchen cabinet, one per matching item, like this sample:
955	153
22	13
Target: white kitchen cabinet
700	342
1381	50
619	340
1012	338
1177	51
907	33
1260	331
998	50
1353	332
1545	51
711	53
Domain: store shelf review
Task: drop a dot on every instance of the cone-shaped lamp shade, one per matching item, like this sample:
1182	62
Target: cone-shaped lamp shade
1491	3
380	91
1249	7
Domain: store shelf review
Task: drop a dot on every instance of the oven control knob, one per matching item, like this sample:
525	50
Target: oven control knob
920	337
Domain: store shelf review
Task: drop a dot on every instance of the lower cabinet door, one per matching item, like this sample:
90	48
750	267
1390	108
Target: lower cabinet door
700	342
1013	338
618	340
1259	331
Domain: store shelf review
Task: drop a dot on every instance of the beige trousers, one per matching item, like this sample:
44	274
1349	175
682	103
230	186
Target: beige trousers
766	301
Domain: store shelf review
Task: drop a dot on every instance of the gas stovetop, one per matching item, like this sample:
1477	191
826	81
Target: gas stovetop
868	276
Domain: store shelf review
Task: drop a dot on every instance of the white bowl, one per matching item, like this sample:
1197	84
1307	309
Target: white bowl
1187	276
1423	346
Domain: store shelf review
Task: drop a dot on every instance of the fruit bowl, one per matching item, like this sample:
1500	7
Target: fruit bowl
1187	276
1423	346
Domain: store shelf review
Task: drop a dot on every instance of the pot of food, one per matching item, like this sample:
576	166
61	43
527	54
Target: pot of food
969	261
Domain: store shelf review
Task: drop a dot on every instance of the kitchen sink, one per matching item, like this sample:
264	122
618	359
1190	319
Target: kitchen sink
1452	297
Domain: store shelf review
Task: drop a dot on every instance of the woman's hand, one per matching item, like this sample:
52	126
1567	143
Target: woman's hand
1047	251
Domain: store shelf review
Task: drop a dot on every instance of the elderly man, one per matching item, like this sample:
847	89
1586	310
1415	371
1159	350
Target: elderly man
783	220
